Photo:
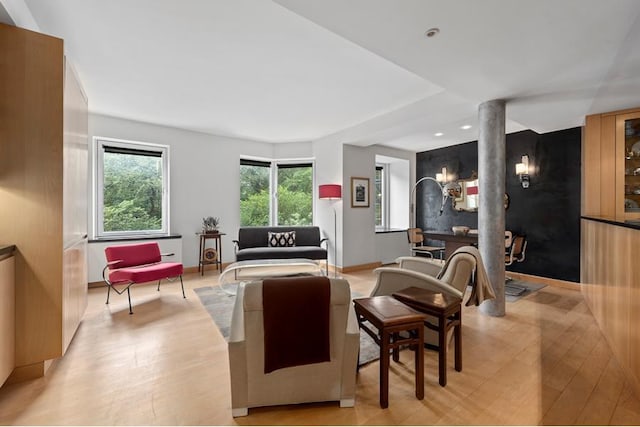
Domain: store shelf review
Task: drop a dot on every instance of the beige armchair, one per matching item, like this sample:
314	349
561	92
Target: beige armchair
327	381
454	277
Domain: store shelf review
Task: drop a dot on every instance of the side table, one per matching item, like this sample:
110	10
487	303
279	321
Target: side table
448	310
217	242
391	317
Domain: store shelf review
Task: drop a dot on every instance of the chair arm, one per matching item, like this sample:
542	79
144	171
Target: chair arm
236	332
324	240
352	322
391	279
108	266
236	245
169	254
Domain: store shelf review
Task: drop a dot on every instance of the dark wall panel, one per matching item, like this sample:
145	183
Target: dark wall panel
548	212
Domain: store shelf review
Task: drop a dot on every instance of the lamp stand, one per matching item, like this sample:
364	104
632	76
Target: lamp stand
335	242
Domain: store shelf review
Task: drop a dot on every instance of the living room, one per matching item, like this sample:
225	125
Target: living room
212	104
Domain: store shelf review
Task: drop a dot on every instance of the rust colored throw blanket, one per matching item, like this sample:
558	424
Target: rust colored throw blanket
296	321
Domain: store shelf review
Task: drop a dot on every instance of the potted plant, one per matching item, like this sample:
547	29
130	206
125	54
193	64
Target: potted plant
210	225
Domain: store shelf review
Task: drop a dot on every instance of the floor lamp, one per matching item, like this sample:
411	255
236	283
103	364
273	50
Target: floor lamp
332	192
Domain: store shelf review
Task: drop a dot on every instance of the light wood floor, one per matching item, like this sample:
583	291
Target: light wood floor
544	363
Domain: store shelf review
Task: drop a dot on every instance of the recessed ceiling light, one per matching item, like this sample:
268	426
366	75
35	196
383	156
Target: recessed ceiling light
431	32
438	134
465	127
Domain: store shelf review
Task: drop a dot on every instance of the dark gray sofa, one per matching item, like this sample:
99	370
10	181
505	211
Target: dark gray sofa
253	244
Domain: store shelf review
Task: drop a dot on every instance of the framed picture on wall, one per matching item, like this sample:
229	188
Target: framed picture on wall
359	192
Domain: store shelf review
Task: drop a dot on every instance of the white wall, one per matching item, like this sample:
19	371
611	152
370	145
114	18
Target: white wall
361	244
204	175
205	181
328	170
390	246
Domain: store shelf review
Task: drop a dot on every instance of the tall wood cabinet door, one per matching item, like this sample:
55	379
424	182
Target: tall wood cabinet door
75	206
627	165
7	317
76	159
74	290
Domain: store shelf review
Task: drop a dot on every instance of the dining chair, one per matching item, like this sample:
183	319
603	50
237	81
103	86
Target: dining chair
416	239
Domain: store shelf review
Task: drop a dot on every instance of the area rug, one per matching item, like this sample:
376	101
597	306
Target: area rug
514	285
219	305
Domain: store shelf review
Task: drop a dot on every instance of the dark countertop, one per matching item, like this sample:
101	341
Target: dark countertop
7	249
630	223
140	237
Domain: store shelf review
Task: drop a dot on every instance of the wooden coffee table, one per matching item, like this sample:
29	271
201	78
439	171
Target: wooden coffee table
390	317
448	310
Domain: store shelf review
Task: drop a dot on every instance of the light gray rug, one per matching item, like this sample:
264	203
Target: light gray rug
515	285
219	305
513	290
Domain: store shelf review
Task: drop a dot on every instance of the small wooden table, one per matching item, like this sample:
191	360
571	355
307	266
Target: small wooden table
217	241
448	310
391	317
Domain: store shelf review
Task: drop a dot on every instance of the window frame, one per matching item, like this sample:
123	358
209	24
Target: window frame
273	182
384	198
100	143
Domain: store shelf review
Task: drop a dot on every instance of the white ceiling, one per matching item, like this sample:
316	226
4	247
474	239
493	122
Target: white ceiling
361	71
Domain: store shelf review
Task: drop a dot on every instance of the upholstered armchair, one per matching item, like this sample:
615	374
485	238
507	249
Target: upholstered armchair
331	380
452	278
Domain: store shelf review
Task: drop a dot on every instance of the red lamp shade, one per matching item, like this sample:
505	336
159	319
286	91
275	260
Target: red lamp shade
330	191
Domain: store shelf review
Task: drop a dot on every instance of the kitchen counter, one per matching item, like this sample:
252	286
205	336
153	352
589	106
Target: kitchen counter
630	223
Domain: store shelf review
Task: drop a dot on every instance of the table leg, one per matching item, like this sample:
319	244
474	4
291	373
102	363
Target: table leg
200	255
396	350
457	330
442	350
384	369
419	363
220	253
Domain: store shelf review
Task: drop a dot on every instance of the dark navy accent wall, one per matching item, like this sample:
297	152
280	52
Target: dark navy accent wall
548	212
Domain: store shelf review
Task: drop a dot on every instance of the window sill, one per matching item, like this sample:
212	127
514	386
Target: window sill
382	230
138	237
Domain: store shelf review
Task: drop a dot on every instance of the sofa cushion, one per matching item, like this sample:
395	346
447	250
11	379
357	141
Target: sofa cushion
283	239
146	273
309	252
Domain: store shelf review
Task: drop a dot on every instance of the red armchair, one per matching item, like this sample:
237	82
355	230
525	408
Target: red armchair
128	265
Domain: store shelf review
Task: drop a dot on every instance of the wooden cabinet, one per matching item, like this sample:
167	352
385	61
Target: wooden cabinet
7	317
43	187
611	165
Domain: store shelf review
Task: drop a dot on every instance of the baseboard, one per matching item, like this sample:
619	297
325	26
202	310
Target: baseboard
208	267
544	280
29	372
351	268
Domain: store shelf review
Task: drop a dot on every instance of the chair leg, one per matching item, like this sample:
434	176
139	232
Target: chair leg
129	295
158	285
182	284
108	293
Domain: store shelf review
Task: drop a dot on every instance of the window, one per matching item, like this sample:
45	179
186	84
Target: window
391	197
132	188
291	204
380	202
255	178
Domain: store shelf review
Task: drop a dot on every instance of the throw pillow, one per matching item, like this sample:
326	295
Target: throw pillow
283	239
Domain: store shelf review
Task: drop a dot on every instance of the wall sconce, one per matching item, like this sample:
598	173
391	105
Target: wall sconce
442	177
522	170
